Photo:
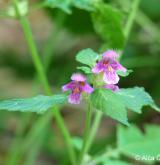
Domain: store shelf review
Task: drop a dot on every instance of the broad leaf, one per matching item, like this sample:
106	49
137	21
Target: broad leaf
124	74
135	98
114	162
126	136
107	23
37	104
110	104
66	5
132	142
85	69
88	57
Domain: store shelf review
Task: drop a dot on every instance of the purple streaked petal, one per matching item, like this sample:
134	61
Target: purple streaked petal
110	54
68	86
87	88
98	68
117	66
121	68
78	77
113	87
74	98
110	77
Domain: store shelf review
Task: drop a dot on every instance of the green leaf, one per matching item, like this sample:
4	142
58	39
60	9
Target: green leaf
116	104
84	4
132	142
66	5
124	74
135	98
110	104
37	104
88	57
107	23
23	9
77	143
85	69
126	136
114	162
109	157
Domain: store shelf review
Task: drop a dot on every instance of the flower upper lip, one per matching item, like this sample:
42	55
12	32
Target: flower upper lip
108	65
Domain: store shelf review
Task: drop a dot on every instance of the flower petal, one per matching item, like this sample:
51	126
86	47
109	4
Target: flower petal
110	77
98	68
113	87
87	88
117	66
74	98
110	54
78	77
68	86
121	68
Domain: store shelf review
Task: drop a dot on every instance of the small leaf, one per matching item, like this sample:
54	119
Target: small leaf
84	4
88	57
124	74
135	98
110	104
64	5
132	142
77	143
37	104
23	9
85	69
107	23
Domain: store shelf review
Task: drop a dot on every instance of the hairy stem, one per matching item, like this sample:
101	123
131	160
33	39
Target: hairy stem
48	53
95	126
86	134
41	73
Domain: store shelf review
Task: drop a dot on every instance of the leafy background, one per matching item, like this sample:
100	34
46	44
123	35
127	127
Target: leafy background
59	37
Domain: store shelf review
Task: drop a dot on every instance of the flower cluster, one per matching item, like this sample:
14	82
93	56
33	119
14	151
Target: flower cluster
107	66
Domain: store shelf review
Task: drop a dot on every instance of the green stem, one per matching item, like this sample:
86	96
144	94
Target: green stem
86	134
48	53
95	126
40	70
131	18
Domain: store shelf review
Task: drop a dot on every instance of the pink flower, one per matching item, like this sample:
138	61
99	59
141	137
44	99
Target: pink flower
77	86
109	67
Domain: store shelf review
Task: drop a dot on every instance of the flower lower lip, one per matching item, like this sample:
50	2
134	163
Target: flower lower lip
76	90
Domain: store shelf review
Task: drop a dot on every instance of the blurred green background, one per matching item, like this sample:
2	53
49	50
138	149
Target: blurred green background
59	37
